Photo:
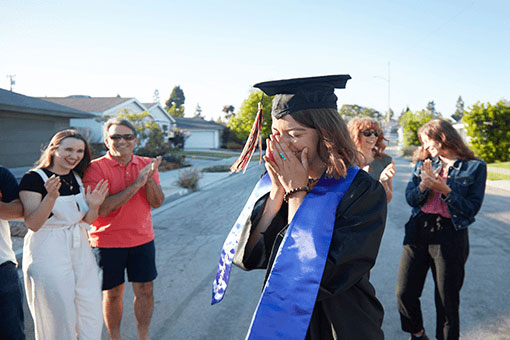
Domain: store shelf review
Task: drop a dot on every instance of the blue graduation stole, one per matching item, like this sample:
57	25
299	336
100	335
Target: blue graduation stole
289	296
220	283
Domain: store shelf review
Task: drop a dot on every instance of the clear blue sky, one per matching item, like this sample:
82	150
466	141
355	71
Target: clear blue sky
216	50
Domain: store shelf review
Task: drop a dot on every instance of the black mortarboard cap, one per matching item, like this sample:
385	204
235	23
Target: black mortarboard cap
292	95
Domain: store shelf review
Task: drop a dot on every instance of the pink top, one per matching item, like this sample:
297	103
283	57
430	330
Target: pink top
435	204
131	224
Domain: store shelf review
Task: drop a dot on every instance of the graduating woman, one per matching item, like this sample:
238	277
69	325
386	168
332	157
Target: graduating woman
369	139
62	279
313	221
445	192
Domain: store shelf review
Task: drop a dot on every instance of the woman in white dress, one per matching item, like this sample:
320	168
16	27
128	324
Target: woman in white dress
62	279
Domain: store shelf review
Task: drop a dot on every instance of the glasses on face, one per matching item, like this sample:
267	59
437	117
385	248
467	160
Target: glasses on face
128	137
368	133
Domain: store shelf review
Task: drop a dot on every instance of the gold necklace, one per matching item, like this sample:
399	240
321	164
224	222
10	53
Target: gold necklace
70	185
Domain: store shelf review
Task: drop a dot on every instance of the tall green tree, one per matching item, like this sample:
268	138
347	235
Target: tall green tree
242	122
411	122
175	103
459	110
487	127
348	111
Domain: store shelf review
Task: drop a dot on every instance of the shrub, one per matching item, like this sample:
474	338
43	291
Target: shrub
189	178
487	127
217	168
411	122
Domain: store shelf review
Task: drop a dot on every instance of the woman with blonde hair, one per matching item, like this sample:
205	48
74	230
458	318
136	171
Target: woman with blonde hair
62	279
370	141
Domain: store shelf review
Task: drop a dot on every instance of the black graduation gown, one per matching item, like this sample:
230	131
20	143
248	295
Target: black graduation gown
346	306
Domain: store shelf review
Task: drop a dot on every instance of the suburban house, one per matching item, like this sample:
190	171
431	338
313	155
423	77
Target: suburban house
162	118
108	106
26	126
200	133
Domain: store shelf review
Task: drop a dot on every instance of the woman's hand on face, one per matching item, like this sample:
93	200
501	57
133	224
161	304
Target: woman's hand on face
277	190
292	172
388	172
96	197
52	186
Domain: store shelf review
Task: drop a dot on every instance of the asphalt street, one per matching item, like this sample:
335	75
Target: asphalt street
190	232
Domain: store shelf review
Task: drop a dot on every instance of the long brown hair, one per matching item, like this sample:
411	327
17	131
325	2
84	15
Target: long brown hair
46	159
358	124
442	132
336	148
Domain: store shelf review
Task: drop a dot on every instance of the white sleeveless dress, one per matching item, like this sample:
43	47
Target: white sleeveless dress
62	279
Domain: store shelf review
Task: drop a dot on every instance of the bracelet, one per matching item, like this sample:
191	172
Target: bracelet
293	191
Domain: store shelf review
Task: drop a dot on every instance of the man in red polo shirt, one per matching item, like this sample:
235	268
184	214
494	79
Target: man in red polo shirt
123	237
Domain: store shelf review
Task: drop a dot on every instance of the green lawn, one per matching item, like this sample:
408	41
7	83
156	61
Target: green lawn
494	176
504	165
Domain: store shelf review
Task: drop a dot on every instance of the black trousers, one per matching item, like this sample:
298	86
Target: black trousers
432	242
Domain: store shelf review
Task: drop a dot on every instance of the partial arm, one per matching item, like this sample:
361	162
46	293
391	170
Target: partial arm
94	200
416	196
154	193
10	206
11	211
38	209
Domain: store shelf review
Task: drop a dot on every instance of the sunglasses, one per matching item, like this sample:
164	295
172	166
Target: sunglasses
128	137
368	133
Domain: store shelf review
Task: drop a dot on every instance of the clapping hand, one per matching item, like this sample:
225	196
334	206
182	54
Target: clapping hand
147	171
52	186
388	172
96	197
430	179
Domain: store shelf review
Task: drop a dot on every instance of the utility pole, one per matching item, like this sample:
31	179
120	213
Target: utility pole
11	80
388	81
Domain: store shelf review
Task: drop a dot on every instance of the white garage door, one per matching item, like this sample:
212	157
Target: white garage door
201	140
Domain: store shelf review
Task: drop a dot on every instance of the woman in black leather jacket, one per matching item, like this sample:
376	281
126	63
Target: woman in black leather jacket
445	192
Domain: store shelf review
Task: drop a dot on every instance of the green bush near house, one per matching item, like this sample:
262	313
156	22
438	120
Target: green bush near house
487	126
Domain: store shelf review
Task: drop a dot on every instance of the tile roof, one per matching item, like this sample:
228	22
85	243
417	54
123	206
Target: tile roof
88	103
15	102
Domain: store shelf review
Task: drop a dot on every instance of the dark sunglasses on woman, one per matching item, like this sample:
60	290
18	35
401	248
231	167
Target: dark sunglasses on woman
128	137
368	133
